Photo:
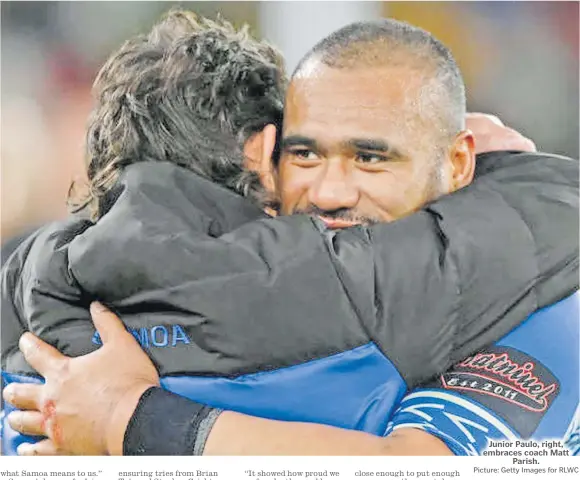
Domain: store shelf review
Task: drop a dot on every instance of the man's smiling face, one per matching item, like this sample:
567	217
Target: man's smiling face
358	146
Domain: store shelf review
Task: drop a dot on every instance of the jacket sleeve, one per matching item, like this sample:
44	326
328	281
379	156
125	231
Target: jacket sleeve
471	266
39	259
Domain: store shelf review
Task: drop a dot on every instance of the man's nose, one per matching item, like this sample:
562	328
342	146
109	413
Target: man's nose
334	188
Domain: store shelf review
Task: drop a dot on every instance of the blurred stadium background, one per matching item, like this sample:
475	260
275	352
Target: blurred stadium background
520	61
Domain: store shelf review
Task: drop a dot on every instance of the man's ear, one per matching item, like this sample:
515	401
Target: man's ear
258	151
462	156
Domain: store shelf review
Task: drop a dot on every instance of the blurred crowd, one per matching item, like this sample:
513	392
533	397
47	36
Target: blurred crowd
520	61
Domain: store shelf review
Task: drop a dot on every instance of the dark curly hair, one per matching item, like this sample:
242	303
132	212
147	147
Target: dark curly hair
191	92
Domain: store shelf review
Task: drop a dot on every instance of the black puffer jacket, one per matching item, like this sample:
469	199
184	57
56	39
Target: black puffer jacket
250	293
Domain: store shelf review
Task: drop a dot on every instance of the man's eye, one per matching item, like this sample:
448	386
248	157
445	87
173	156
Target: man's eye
370	158
304	154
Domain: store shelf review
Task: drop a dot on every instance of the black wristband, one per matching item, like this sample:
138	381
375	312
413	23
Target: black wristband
164	424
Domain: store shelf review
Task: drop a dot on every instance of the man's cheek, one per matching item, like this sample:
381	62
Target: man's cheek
396	202
294	185
291	201
384	196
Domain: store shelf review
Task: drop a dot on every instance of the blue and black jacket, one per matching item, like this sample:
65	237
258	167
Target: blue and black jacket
276	317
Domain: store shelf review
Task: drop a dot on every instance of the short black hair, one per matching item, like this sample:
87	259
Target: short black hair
191	92
388	42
